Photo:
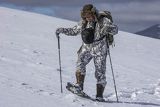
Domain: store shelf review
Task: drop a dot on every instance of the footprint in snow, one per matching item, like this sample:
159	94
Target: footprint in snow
37	91
157	89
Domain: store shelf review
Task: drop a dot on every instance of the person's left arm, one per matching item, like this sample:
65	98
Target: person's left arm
108	27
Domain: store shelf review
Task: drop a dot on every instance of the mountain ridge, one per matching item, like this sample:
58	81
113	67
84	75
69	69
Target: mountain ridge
153	31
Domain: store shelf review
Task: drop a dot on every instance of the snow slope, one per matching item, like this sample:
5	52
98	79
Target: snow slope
29	63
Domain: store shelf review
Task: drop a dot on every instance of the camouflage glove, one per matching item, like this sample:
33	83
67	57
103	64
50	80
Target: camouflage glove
112	29
58	31
110	39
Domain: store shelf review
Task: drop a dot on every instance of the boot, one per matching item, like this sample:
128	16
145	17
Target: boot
100	90
80	79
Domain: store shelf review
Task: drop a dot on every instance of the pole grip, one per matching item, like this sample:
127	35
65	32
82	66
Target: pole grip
58	41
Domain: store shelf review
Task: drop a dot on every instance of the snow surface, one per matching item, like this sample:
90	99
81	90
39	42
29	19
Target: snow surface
29	63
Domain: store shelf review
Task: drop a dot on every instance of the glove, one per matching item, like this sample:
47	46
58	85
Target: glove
113	29
58	31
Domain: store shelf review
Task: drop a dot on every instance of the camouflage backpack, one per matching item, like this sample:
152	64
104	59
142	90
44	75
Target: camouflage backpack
110	37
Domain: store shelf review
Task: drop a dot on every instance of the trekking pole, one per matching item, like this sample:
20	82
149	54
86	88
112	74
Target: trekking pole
60	62
108	50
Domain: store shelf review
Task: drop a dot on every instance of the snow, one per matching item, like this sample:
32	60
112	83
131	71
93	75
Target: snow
29	63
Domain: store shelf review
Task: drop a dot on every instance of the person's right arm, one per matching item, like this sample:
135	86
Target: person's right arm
70	31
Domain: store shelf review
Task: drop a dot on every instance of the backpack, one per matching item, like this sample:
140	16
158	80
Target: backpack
108	15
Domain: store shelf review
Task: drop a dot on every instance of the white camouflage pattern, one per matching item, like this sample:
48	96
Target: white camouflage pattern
96	51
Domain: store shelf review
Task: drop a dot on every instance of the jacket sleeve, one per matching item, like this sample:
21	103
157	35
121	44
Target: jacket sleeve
73	31
108	27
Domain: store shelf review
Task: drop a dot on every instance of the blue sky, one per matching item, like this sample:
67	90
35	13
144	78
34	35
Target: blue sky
129	15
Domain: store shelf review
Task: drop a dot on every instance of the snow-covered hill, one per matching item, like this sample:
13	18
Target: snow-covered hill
29	63
153	31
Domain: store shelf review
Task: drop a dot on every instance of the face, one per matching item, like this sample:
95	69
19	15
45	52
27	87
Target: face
90	17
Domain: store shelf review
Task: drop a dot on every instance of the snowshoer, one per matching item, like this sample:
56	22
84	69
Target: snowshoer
92	28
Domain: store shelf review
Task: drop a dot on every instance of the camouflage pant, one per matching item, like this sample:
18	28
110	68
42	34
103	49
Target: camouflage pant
100	65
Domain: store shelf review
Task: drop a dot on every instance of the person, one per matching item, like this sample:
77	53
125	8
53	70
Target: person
92	28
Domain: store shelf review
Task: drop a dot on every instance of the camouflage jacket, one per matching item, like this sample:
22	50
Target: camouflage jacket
101	28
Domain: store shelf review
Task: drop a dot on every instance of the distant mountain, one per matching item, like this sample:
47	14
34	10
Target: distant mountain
153	31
